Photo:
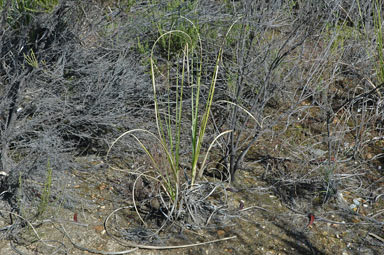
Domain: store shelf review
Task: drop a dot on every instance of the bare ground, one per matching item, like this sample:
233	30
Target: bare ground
257	220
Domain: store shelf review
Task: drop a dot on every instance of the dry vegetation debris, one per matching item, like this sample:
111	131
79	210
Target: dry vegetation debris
298	87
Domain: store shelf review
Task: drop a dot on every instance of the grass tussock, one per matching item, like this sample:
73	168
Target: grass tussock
199	107
181	75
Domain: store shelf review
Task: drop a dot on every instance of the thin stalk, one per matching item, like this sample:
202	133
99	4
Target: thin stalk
379	37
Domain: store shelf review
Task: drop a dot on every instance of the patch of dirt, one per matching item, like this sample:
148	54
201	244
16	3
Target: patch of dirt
257	219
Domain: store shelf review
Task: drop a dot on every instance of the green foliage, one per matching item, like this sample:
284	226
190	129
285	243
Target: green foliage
21	11
291	6
36	5
172	44
31	59
46	191
187	66
231	82
234	36
126	4
169	126
379	41
143	48
180	6
339	35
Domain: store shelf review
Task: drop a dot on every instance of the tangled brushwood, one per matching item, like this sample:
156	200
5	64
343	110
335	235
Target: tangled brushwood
169	124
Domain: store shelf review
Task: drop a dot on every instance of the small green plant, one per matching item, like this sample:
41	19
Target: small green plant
46	191
188	67
292	4
172	44
36	5
143	48
31	59
21	12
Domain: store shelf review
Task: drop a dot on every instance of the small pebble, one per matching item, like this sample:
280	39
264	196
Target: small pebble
220	233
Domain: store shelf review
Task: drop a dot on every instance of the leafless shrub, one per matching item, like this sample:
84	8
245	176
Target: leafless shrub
299	88
69	100
260	75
